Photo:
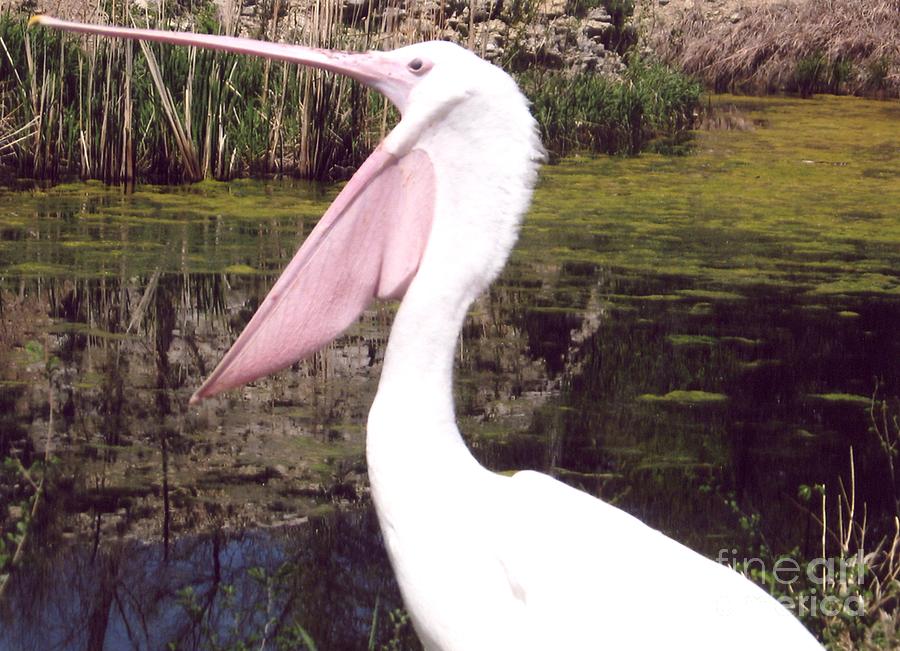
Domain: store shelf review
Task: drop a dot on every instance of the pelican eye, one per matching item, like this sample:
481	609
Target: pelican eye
416	65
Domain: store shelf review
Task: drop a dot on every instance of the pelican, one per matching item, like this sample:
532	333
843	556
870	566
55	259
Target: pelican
484	561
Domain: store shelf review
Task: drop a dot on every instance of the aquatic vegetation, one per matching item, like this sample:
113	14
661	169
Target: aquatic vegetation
751	208
687	398
846	398
848	593
691	340
587	112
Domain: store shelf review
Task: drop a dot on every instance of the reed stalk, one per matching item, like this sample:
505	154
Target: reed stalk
90	107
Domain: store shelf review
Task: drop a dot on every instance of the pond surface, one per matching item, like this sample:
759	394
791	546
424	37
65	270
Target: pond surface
692	338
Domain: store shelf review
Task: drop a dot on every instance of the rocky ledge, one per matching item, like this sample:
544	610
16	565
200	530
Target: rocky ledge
549	34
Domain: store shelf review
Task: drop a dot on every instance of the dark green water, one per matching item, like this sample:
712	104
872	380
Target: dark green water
692	338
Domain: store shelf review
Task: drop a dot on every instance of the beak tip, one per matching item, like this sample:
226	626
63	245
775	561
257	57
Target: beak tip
36	19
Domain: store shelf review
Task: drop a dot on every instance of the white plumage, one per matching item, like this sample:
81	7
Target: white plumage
524	562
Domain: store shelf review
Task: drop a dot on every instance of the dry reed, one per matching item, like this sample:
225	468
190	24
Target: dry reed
809	46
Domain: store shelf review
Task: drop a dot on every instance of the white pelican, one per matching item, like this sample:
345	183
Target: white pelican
485	562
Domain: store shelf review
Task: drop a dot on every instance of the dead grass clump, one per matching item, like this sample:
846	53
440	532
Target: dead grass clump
839	46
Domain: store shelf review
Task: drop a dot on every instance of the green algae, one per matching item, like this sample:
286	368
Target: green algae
710	294
678	462
742	341
687	398
842	398
774	206
691	340
867	283
649	297
36	269
240	269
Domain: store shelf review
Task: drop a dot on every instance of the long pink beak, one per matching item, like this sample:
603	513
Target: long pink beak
367	245
374	69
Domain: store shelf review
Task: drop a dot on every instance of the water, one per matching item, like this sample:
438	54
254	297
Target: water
693	338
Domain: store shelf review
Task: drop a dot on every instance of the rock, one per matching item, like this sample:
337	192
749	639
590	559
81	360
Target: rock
663	3
492	32
451	35
490	38
592	28
567	26
482	10
552	8
429	8
600	13
735	17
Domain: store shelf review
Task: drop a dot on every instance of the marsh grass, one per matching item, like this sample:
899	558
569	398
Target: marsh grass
861	578
117	110
812	46
121	111
595	113
872	551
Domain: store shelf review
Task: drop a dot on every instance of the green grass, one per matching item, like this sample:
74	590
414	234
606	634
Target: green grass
590	112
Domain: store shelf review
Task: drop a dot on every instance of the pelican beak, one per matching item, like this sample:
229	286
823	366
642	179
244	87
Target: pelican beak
378	70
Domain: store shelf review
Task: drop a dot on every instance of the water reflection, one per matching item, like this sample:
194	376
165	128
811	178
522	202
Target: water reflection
222	590
664	365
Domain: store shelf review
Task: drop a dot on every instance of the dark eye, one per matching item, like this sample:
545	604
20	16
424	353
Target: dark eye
415	65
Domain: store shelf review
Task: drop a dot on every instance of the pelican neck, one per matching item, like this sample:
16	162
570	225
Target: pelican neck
418	362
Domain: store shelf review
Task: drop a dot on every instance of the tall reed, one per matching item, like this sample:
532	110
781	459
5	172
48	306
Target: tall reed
115	110
121	111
